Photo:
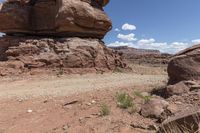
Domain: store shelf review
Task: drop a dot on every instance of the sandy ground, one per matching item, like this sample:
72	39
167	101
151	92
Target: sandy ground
37	104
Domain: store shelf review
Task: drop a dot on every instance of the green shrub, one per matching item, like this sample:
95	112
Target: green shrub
145	98
118	70
60	72
124	100
105	110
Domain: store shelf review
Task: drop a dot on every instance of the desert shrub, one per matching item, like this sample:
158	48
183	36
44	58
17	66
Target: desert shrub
60	72
145	98
124	100
105	110
118	70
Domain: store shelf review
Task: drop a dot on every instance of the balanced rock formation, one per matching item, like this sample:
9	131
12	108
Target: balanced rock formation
64	34
185	65
80	18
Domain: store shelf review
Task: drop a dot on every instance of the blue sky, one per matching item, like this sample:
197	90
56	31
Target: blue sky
166	25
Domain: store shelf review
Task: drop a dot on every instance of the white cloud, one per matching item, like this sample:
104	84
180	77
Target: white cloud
175	47
146	41
117	44
127	26
128	37
117	29
164	47
151	43
196	41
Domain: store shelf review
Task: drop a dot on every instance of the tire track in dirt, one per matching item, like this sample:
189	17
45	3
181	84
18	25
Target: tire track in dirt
70	84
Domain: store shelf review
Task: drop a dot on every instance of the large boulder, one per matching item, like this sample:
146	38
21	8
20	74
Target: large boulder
185	65
74	53
80	18
154	108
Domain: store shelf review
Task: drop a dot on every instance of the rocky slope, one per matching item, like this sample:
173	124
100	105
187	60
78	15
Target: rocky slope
183	92
21	54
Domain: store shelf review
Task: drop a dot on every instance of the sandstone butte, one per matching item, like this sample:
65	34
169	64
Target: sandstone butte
46	34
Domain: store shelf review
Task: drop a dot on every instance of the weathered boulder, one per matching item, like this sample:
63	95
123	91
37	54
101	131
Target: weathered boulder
154	108
80	18
185	122
185	65
36	52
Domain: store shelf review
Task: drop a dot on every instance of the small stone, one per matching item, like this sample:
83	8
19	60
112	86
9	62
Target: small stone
29	111
89	104
93	101
144	94
68	106
65	127
20	100
45	101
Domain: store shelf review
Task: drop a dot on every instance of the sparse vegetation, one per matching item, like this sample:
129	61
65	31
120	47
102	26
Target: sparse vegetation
118	70
105	110
60	72
145	98
124	100
99	71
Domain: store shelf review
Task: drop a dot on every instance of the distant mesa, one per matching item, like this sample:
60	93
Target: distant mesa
146	56
127	49
80	18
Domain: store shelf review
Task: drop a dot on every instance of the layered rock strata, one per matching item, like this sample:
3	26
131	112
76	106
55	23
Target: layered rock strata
80	18
60	34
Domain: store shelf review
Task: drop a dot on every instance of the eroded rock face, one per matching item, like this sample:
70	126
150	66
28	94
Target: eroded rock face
185	65
80	18
187	121
35	52
55	34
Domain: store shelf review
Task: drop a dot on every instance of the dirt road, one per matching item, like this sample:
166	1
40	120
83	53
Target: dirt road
65	85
